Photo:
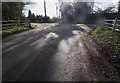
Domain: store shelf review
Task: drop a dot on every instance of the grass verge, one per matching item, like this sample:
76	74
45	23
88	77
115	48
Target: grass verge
109	43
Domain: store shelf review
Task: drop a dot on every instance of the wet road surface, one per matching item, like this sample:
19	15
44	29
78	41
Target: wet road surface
50	52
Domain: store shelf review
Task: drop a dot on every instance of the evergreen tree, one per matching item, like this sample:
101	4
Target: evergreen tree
12	10
29	14
33	15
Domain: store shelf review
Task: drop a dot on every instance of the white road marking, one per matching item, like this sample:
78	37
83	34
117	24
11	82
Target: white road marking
34	42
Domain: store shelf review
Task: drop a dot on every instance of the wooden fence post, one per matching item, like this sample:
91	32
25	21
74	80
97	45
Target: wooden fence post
29	24
115	24
18	24
12	23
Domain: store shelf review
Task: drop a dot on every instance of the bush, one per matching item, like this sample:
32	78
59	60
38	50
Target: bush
15	29
33	26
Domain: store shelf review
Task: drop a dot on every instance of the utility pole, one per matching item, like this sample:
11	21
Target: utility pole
56	10
59	5
45	8
119	6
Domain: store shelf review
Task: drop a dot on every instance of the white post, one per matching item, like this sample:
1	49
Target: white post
115	24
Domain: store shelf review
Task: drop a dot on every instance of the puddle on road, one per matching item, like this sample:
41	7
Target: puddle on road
46	27
52	35
76	32
69	59
66	45
80	44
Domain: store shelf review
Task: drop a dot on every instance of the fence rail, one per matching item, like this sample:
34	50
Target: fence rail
8	23
113	24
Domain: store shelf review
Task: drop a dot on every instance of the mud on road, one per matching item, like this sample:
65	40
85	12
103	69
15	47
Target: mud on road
55	52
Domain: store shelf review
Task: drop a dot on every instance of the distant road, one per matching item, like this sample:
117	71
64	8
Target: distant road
50	52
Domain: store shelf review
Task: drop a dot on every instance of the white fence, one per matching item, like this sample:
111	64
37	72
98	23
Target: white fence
113	24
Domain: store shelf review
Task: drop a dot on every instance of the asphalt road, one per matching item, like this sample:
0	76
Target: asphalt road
50	52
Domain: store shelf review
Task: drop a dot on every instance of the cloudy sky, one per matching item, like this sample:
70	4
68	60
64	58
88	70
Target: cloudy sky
38	7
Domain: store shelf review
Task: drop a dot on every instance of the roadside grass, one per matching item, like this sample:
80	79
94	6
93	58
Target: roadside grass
15	29
109	43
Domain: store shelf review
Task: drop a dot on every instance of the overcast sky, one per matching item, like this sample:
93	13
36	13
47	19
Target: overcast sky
38	7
